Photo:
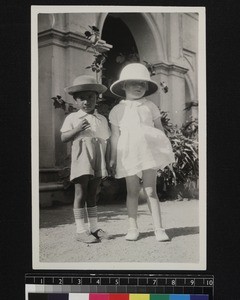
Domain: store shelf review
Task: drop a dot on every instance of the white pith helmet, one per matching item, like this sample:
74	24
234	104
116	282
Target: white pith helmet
134	71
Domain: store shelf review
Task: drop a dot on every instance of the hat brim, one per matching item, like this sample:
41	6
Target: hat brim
99	88
117	87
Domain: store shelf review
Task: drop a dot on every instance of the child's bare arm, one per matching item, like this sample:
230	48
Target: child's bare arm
158	124
114	140
69	135
108	155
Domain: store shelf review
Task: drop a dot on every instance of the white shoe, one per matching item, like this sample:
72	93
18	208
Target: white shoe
161	235
132	234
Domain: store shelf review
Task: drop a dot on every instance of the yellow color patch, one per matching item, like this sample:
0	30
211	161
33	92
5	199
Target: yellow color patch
139	297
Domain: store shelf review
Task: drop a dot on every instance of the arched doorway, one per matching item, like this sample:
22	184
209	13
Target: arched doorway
135	37
124	50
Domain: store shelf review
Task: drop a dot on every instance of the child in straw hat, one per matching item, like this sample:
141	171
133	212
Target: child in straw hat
89	132
139	146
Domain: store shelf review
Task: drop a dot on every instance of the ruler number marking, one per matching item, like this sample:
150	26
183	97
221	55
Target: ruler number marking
209	282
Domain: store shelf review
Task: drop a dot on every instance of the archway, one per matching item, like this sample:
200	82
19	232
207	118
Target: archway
134	35
124	50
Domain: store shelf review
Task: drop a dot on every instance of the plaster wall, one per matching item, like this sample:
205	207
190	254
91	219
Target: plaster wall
46	110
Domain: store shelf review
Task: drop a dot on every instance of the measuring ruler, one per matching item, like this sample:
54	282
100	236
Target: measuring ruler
137	284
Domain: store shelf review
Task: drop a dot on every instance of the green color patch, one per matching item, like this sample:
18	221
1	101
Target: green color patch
159	297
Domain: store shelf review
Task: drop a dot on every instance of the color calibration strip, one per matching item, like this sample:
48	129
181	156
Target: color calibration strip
119	286
93	296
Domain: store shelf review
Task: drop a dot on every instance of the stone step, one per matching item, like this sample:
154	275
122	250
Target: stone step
50	186
49	174
54	192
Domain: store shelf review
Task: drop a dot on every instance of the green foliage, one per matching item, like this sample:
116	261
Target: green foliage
97	64
99	47
59	102
64	177
181	176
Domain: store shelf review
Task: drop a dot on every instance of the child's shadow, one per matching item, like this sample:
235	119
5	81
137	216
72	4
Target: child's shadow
115	236
181	231
173	232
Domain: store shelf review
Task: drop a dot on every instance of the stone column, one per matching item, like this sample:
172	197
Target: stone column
62	57
173	102
172	72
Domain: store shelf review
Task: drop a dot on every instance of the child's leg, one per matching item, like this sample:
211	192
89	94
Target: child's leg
81	194
93	185
79	203
133	189
149	186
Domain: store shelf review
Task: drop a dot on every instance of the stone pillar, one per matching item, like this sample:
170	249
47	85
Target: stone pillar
174	37
46	109
173	71
62	57
173	102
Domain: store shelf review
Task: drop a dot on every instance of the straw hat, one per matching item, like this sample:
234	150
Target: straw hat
85	83
134	71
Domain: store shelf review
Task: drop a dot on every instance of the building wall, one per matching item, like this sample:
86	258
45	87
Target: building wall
167	40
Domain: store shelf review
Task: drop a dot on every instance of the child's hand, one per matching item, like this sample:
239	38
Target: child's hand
83	125
112	168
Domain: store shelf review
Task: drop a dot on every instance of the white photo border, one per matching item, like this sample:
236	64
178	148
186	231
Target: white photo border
201	265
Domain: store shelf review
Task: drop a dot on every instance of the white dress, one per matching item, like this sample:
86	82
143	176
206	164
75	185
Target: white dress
141	146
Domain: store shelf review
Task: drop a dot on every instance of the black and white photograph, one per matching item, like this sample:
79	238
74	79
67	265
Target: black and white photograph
118	97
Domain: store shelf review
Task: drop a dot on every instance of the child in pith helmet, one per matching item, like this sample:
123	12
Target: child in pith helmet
89	133
139	146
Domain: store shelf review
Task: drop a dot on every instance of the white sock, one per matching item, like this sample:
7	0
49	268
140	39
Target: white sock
92	218
79	219
132	223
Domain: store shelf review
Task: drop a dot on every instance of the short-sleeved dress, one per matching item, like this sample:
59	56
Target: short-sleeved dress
89	146
141	146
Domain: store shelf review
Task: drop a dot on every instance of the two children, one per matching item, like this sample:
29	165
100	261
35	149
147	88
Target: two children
138	148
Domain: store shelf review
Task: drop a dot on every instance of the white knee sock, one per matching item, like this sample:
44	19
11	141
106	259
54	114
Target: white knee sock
132	223
92	218
79	219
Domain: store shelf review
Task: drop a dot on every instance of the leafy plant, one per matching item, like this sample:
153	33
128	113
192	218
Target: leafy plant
190	104
92	36
97	64
59	102
64	177
99	48
183	175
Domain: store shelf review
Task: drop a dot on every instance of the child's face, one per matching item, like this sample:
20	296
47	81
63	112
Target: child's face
135	89
86	100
